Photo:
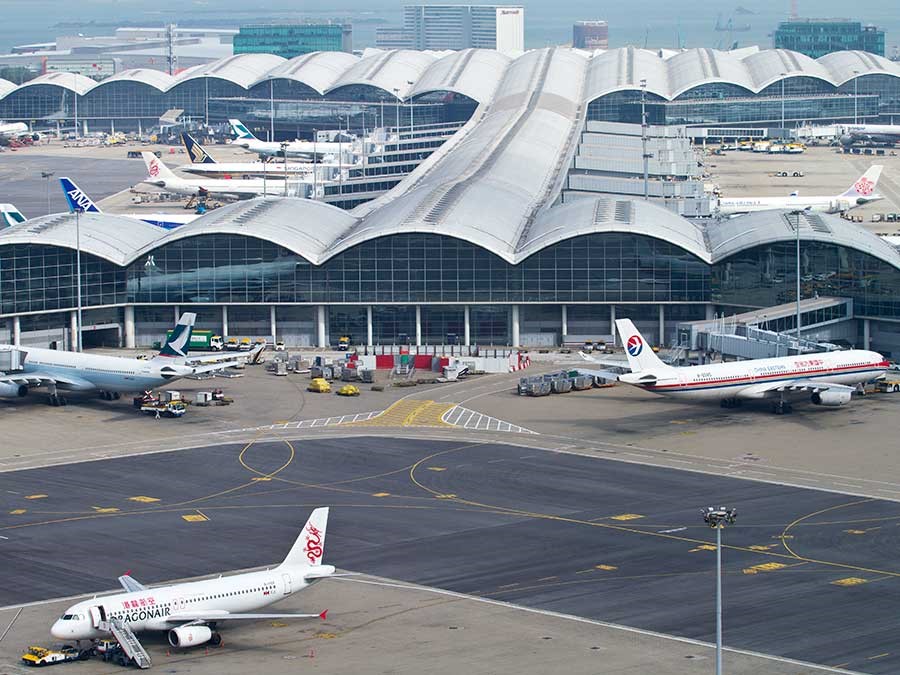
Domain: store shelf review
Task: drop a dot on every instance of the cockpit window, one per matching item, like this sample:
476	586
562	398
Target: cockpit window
67	617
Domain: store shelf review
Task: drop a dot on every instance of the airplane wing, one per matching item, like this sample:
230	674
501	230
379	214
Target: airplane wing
204	615
611	369
36	378
798	386
131	584
211	362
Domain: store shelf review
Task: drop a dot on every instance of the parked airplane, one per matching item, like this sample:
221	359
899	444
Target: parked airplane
31	367
78	199
879	133
861	192
826	379
203	164
10	215
190	612
161	176
17	130
306	149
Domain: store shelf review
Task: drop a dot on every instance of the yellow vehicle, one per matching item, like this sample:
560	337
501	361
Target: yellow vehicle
343	343
348	390
319	385
231	344
245	345
888	385
39	656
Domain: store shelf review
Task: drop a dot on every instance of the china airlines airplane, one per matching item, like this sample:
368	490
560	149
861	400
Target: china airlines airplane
827	379
190	612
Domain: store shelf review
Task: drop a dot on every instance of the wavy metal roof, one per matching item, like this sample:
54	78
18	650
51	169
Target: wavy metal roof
388	71
471	72
152	78
6	86
71	81
318	70
241	69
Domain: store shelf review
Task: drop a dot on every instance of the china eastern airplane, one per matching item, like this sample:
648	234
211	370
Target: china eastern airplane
77	199
161	176
244	138
827	379
190	612
879	133
861	192
203	164
111	375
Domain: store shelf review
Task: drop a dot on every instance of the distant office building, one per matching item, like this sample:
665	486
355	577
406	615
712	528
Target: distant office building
817	37
393	37
500	27
590	35
290	40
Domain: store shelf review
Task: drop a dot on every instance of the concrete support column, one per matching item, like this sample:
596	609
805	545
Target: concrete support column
466	328
129	327
273	326
710	312
418	325
369	332
564	324
320	326
16	331
867	334
662	326
612	324
177	313
73	331
515	325
224	321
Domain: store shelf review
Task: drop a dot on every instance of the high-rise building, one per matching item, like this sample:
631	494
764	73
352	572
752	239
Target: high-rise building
290	40
393	37
437	27
590	35
817	37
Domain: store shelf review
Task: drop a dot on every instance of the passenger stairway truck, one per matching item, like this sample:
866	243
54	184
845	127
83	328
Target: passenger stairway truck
132	647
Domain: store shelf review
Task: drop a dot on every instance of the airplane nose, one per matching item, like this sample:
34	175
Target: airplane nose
57	632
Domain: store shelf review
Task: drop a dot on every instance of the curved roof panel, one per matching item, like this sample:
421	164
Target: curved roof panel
388	71
114	238
243	70
71	81
318	70
471	72
766	67
152	78
6	86
732	235
844	66
694	67
621	69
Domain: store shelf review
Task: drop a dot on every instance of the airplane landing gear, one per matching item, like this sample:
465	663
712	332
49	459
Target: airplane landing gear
730	403
54	398
110	395
782	408
216	639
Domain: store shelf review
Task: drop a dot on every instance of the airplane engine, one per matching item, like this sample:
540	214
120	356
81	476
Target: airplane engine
9	390
35	136
832	399
189	636
847	140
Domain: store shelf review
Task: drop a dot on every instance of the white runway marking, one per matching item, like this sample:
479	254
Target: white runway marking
472	419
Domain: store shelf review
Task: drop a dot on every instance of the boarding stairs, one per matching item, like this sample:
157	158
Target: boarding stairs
130	644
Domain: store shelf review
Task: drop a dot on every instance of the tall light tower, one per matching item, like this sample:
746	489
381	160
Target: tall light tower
855	96
783	76
171	58
646	156
718	518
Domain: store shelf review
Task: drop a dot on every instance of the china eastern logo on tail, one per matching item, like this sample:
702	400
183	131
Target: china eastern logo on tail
635	345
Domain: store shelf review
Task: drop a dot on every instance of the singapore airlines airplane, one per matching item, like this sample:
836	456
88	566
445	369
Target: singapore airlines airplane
826	379
190	612
861	192
244	138
161	176
203	164
110	375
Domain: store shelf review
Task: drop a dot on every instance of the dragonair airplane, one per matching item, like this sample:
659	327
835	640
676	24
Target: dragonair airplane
203	164
826	379
244	138
110	375
161	176
79	200
861	192
190	612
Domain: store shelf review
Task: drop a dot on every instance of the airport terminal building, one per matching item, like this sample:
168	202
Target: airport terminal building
476	243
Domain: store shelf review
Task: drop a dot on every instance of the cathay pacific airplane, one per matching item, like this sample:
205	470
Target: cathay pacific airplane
861	192
307	149
827	379
33	367
190	612
79	200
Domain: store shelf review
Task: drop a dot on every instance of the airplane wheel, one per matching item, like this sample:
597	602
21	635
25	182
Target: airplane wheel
63	401
215	640
116	396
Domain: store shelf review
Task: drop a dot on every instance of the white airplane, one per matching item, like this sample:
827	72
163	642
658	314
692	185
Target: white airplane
827	379
244	138
879	133
17	130
10	215
861	192
203	164
31	367
190	612
161	176
77	199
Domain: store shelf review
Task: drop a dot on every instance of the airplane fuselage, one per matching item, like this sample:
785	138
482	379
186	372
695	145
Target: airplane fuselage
753	379
819	204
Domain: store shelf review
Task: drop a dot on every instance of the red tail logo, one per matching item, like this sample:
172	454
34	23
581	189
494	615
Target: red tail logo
313	544
864	186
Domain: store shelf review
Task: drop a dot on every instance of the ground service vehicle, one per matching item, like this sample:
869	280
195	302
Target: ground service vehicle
245	345
319	385
348	390
39	656
343	343
202	340
231	344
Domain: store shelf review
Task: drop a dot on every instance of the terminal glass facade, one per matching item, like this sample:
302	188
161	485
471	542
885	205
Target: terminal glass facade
817	37
290	40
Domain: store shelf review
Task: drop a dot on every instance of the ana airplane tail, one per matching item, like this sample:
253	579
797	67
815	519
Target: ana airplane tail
309	548
195	151
240	131
864	187
76	198
177	344
639	353
155	167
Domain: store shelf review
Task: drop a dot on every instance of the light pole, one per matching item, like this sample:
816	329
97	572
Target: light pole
646	156
75	97
397	94
284	154
47	175
271	109
78	343
315	165
796	215
718	518
855	96
412	129
783	76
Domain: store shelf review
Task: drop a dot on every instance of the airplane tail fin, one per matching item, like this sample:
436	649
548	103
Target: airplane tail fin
864	187
639	353
76	198
195	151
240	131
309	548
10	215
155	167
178	342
